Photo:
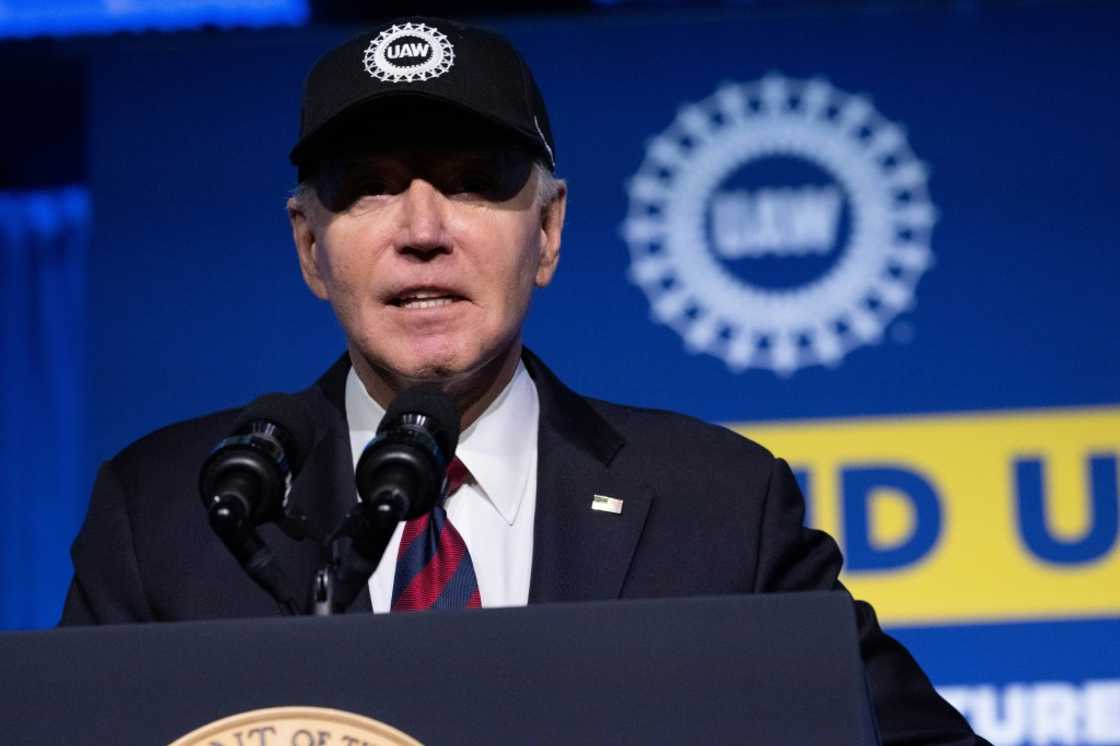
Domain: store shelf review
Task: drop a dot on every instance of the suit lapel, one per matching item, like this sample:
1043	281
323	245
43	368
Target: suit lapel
579	554
324	491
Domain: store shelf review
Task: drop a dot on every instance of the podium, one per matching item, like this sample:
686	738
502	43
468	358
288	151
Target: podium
759	669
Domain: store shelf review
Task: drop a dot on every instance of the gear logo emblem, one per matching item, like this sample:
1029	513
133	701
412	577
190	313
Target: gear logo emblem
779	224
408	53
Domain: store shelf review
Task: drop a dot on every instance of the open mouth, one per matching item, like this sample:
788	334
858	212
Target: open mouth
416	300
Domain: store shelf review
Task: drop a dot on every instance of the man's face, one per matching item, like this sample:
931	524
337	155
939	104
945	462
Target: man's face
429	253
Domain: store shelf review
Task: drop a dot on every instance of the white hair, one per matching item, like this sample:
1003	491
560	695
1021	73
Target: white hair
549	186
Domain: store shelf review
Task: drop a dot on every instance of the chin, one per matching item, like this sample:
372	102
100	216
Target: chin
432	368
447	362
432	373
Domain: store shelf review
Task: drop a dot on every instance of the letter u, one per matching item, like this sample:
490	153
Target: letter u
1101	534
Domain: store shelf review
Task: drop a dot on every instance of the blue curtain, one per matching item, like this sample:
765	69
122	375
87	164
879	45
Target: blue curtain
43	240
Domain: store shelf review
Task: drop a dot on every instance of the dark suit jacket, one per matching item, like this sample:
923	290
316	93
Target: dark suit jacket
706	512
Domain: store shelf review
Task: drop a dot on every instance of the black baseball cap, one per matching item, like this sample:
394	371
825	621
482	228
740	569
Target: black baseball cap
441	61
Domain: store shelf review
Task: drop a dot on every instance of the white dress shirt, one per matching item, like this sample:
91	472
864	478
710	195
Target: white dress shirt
493	512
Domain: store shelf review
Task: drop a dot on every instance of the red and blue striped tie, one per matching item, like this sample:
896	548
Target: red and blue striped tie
434	569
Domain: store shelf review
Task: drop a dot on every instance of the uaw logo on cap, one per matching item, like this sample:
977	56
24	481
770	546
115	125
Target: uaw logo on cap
408	53
779	224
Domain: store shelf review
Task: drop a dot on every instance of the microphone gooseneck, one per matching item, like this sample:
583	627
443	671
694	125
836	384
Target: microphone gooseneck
399	476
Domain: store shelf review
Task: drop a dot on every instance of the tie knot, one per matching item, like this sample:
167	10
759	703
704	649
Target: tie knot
457	474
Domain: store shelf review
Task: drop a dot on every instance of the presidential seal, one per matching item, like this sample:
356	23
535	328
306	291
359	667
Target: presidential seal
778	224
408	53
296	726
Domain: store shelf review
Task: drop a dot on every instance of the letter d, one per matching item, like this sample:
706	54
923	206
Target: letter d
860	485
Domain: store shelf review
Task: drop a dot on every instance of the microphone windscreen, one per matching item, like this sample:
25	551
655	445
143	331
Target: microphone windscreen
428	401
290	414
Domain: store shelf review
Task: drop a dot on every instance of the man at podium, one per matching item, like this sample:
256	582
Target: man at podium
427	214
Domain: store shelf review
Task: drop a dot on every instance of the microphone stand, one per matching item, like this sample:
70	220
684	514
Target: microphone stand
356	548
228	520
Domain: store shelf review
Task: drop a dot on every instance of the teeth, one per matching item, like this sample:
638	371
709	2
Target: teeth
425	302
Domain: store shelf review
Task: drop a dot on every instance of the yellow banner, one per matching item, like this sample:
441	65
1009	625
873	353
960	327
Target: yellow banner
989	516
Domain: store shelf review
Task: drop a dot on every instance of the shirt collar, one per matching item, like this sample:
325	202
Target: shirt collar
499	448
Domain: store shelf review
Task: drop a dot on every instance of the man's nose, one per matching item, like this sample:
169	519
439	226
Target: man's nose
423	227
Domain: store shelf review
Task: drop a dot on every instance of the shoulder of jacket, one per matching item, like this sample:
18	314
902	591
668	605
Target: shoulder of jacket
673	430
186	440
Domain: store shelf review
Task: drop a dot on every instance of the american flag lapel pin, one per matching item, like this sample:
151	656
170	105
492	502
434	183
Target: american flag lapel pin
606	504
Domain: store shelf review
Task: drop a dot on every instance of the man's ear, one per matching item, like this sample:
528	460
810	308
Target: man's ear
552	227
307	246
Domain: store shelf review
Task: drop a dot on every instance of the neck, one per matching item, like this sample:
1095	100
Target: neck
472	391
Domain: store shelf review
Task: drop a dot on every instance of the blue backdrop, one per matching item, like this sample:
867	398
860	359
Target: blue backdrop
44	237
978	145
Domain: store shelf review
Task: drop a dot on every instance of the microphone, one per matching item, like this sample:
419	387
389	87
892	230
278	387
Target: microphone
245	482
405	465
400	475
248	475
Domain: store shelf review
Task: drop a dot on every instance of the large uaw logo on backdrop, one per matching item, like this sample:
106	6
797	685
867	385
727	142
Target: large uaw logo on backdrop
779	224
